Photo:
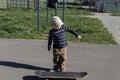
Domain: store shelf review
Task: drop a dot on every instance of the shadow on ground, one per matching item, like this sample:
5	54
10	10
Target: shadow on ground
32	78
21	65
38	78
27	66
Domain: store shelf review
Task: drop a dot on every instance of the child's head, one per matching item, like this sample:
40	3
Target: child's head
56	22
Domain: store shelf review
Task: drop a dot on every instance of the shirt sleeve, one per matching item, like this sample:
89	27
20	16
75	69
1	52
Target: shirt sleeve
49	41
71	31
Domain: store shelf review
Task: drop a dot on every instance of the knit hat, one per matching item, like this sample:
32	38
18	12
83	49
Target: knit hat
56	22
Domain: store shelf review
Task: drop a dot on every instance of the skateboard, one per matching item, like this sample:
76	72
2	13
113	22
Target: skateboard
60	75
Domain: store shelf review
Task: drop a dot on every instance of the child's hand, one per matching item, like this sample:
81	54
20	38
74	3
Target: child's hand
49	48
79	37
50	51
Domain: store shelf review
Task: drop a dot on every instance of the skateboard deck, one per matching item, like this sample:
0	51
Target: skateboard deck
67	75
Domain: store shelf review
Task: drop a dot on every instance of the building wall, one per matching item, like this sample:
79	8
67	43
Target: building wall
99	4
3	4
112	0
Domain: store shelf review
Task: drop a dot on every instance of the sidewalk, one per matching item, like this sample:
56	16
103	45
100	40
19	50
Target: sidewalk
112	23
19	59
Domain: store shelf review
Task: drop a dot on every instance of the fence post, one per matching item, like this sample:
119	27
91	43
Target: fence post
38	8
28	3
63	10
46	11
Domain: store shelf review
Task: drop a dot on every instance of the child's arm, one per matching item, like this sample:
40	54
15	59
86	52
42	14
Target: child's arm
73	32
49	42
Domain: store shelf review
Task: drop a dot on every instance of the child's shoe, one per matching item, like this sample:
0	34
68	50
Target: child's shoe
52	70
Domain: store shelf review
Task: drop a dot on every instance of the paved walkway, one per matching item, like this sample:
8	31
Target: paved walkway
112	23
19	59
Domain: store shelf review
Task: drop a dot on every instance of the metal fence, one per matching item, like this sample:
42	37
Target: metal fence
99	4
26	3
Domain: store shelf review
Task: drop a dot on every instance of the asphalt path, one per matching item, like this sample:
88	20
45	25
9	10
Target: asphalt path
112	23
19	59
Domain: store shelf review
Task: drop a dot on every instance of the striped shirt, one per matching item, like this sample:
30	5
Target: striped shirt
58	37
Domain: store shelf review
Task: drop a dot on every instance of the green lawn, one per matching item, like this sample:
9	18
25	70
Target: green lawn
115	14
22	23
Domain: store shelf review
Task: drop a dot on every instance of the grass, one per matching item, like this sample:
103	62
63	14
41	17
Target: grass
115	14
92	31
22	23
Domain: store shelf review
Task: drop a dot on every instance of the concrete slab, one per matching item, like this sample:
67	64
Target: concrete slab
19	59
112	23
